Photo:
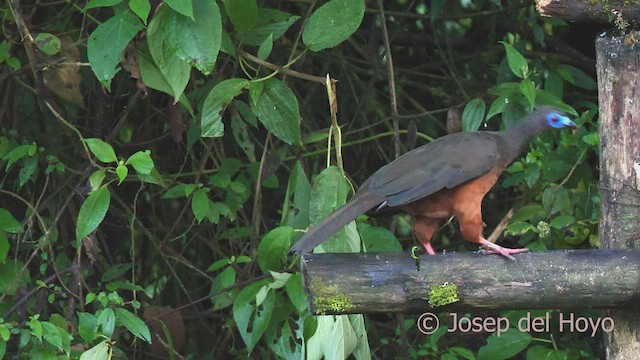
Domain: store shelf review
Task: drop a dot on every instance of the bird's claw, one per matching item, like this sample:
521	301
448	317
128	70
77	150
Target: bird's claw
491	248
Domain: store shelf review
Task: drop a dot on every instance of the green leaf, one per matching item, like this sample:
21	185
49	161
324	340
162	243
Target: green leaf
505	346
242	13
36	327
332	23
378	239
56	336
87	326
519	228
4	247
277	109
142	8
215	103
273	248
528	89
8	223
553	84
544	97
528	212
577	77
48	43
517	62
160	35
473	114
296	293
92	212
265	48
18	153
295	210
225	279
98	352
141	161
497	106
134	324
95	180
531	175
200	204
124	285
107	321
556	200
196	40
107	42
29	166
562	221
101	150
269	22
100	3
252	320
121	172
181	6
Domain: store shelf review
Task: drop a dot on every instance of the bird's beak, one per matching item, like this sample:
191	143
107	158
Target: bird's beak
571	124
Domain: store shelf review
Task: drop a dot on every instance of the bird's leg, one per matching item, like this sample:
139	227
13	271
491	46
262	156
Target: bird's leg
424	228
495	248
471	227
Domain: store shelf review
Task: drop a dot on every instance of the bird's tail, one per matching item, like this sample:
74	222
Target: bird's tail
334	222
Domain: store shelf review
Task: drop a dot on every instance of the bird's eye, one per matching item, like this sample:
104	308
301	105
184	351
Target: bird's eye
554	119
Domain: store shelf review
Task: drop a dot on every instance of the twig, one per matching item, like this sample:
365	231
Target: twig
281	69
392	82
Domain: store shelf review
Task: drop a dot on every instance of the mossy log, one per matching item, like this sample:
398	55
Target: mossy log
395	282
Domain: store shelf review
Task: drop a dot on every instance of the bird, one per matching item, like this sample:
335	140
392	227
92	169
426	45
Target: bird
447	177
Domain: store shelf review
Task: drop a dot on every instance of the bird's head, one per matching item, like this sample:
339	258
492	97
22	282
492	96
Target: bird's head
556	120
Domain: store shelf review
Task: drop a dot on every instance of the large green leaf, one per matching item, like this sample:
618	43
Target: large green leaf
517	62
176	71
134	324
216	101
242	13
8	223
195	40
106	43
277	109
273	248
98	352
200	204
252	320
141	161
329	192
473	115
332	23
505	346
101	150
184	7
269	21
92	212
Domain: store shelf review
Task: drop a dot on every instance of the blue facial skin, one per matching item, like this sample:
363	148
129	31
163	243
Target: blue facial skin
558	121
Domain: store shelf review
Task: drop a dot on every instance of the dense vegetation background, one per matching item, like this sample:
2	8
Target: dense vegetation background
164	155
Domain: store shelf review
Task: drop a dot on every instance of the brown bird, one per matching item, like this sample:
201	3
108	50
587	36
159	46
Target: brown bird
446	177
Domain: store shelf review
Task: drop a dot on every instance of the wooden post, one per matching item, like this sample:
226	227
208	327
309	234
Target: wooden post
391	282
618	66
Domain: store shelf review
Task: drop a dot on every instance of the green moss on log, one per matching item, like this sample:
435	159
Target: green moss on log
328	299
440	295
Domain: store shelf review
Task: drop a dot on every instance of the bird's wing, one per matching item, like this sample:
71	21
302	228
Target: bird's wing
443	163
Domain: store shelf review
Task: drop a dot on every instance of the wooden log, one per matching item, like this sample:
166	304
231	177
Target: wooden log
588	10
390	282
618	69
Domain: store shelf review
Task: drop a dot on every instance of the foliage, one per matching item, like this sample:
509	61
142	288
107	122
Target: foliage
167	154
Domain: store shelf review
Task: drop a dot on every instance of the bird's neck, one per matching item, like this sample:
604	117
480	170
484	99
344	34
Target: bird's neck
518	137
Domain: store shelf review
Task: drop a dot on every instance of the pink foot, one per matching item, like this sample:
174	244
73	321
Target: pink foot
429	248
497	249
